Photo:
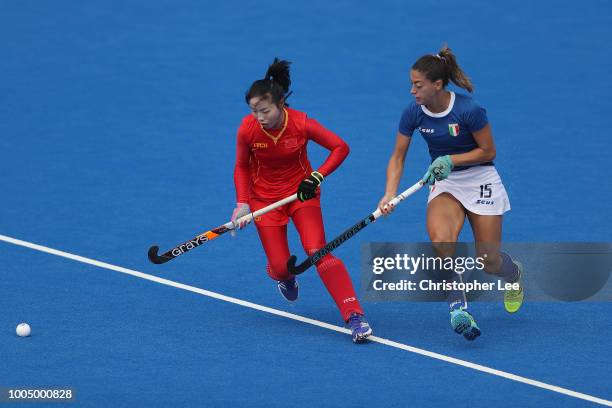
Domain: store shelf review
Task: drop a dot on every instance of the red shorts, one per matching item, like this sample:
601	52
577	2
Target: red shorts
280	216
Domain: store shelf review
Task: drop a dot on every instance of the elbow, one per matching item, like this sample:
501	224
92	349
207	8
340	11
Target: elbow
240	168
486	154
397	161
345	149
491	154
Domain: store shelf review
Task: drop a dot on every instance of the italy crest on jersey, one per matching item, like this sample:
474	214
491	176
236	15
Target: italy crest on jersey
453	129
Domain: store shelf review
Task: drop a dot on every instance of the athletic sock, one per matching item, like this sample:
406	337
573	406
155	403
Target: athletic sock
456	298
336	279
509	271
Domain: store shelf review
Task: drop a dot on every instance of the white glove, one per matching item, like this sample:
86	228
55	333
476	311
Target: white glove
241	210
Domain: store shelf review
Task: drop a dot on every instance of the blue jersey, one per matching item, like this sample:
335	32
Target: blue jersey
448	132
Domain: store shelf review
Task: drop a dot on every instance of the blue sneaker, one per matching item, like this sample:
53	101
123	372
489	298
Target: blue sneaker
360	328
463	323
289	289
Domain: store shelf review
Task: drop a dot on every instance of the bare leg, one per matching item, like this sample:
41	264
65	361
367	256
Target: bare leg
445	218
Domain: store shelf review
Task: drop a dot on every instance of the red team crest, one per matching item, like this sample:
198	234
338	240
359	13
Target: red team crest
289	143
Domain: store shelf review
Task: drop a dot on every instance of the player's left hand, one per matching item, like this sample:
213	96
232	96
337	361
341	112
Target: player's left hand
438	170
308	187
384	206
240	211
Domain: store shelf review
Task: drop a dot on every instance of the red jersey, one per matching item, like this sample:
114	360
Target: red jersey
271	164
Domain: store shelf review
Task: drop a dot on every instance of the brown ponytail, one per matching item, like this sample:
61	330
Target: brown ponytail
444	66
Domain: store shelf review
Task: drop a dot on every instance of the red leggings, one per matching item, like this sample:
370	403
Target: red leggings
309	224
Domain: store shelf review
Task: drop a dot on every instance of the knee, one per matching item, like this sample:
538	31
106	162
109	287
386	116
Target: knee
326	262
443	246
441	235
443	240
311	250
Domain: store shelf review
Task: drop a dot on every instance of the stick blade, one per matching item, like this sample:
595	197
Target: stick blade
156	259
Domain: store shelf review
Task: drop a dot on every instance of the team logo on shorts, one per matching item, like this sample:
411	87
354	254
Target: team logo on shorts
453	129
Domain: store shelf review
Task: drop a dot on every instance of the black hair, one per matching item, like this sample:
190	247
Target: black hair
443	65
275	85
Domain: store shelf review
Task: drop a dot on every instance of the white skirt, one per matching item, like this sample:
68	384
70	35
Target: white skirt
479	189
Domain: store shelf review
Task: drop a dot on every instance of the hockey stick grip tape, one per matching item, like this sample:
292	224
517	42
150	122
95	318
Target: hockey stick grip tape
251	216
400	197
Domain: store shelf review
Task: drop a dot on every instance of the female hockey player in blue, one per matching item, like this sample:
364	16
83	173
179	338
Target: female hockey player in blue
464	181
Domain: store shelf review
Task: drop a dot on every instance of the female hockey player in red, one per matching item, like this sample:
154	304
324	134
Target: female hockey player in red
271	164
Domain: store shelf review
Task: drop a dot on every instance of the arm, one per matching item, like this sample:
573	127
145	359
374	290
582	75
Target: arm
395	169
328	139
485	151
242	172
307	189
476	122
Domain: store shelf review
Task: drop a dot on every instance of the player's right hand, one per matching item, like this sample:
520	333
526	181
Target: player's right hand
438	170
307	190
241	210
384	205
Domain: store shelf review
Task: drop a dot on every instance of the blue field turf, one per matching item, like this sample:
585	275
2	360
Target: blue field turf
117	131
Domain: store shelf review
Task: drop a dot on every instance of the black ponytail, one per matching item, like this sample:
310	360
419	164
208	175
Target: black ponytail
275	84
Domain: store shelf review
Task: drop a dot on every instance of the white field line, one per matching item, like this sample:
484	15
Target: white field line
313	322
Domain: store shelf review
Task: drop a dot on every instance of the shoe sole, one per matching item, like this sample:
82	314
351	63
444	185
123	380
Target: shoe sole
512	309
465	328
472	334
362	338
286	298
